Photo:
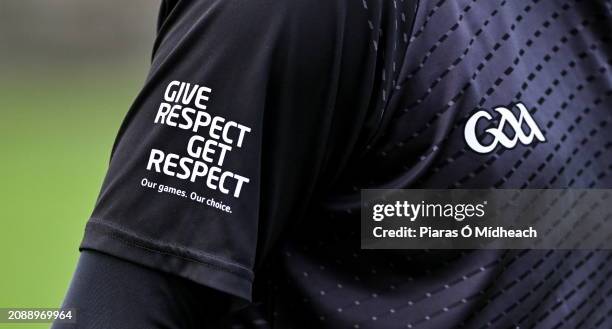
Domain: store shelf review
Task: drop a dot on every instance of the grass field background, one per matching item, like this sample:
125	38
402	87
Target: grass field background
56	132
69	71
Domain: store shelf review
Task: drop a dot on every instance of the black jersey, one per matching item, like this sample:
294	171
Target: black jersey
240	163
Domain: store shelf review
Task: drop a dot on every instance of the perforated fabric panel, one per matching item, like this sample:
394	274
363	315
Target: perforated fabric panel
461	56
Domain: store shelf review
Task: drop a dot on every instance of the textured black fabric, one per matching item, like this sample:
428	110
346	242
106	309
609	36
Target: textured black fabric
346	95
272	83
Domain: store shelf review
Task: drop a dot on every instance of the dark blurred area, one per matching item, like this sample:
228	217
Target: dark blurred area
71	32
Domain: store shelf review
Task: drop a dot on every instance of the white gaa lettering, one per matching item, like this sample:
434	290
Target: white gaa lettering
499	136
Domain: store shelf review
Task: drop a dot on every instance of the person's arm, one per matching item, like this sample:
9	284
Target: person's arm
108	292
248	108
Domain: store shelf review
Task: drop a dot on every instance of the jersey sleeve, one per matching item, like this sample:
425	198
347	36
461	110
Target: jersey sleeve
226	141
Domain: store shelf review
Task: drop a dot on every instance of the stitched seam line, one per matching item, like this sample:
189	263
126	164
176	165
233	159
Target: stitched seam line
124	236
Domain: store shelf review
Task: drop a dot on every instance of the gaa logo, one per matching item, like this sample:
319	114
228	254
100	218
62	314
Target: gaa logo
508	132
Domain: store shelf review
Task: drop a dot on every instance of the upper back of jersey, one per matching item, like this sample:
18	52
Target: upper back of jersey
467	94
240	164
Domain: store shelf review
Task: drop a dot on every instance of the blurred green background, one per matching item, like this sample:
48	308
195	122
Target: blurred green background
69	70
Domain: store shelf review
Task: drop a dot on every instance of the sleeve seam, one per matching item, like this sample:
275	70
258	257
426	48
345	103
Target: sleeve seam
135	240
